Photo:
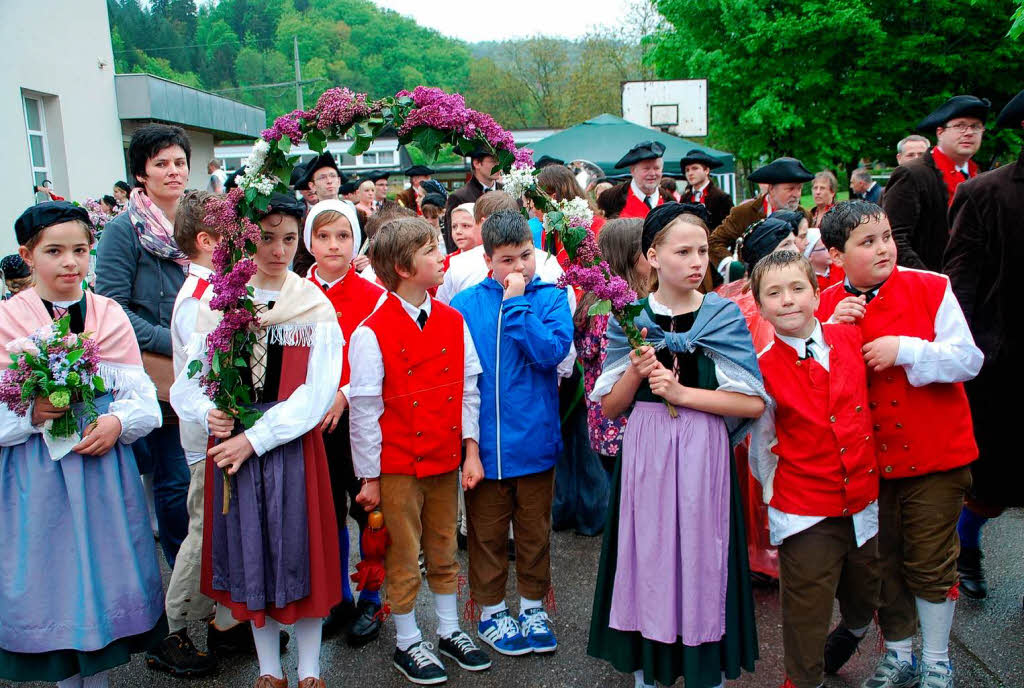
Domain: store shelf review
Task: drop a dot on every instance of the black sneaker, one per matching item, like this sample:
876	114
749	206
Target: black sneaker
237	640
366	627
420	665
972	574
340	618
464	651
839	647
179	657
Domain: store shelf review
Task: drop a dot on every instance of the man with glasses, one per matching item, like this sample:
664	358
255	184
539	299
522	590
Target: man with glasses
919	193
323	177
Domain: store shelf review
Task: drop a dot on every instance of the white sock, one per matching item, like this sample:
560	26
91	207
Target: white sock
489	610
904	649
307	637
223	619
100	680
72	682
638	680
447	607
268	648
407	633
859	632
936	622
525	604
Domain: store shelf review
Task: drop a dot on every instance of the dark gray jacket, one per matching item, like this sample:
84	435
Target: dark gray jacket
144	285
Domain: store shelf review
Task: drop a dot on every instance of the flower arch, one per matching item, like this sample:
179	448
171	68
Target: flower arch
427	117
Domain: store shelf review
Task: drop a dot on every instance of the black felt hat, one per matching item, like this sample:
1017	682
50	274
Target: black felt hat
232	180
698	157
545	160
296	179
1012	115
286	204
325	159
38	217
763	237
434	199
348	187
781	171
645	150
14	267
418	171
377	175
957	106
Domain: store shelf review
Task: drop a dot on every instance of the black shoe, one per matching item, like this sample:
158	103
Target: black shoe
464	651
179	657
366	626
420	665
340	618
839	647
972	575
237	640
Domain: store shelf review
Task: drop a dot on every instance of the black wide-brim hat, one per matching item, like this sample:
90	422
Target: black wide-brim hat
325	159
296	179
645	150
545	160
781	171
418	171
957	106
348	187
377	175
699	157
1012	115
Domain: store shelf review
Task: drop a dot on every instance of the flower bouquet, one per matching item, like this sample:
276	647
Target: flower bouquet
62	366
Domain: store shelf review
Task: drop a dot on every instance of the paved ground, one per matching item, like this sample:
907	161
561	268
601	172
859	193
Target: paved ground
987	644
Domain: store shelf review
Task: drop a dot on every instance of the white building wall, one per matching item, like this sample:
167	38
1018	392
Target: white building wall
63	53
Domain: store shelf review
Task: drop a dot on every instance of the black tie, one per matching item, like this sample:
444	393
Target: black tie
325	286
964	173
868	295
421	319
650	202
807	350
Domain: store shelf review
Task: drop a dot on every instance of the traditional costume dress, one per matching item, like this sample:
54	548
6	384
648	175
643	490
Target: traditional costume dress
80	587
673	595
275	552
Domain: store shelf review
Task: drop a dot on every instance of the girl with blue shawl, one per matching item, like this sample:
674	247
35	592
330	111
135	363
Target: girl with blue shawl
673	595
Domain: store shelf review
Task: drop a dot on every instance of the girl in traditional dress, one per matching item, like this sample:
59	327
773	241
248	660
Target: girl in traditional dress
273	557
673	592
80	587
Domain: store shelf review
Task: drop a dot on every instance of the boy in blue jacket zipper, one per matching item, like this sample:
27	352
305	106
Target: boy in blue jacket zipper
521	328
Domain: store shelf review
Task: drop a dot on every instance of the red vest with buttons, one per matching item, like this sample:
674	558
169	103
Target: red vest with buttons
635	207
424	372
918	430
826	452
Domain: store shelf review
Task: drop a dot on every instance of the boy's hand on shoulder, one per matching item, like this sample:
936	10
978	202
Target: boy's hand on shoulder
472	468
665	384
881	353
231	453
330	421
515	285
369	494
849	310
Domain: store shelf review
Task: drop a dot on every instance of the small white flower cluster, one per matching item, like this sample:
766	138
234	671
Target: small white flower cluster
518	181
253	177
577	213
263	184
257	156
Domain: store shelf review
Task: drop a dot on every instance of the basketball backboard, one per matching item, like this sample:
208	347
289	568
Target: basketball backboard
676	106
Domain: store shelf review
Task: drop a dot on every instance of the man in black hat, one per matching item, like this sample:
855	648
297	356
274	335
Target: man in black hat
380	187
697	166
545	160
410	198
323	177
299	184
485	178
986	248
918	195
642	191
785	178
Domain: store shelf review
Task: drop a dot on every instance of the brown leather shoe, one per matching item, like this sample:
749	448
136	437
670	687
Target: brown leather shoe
268	681
310	682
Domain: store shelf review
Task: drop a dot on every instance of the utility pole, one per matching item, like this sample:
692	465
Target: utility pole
298	74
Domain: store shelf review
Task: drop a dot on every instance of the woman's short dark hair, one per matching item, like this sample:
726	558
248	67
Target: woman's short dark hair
148	141
123	186
109	200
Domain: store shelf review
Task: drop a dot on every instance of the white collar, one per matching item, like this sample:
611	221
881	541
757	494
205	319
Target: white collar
800	345
658	308
965	168
638	192
413	310
846	283
200	271
873	185
316	276
706	184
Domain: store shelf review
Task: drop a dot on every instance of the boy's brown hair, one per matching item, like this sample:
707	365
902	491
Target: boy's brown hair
190	221
778	261
490	203
389	210
395	245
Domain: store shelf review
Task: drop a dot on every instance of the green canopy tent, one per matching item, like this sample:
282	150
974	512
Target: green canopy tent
604	139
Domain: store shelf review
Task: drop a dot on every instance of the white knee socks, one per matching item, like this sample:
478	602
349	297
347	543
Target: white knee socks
447	607
489	610
268	648
904	649
100	680
307	636
407	633
73	682
936	622
638	680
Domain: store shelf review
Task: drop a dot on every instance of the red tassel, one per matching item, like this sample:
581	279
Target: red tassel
384	613
954	592
462	582
880	645
471	611
549	601
788	684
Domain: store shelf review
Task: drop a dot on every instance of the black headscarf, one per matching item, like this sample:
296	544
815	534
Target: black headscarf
762	237
662	215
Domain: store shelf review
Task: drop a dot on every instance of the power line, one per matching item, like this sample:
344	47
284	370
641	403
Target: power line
196	45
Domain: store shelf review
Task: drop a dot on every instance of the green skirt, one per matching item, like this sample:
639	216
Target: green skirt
701	666
58	665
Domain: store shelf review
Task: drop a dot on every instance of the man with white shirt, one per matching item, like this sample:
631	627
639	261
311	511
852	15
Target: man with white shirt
642	192
701	188
864	186
919	193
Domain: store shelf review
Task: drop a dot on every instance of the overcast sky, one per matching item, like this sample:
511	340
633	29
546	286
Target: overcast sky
473	20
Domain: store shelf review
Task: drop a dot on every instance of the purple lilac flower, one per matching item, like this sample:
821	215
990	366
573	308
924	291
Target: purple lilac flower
524	157
338	107
598	280
444	111
230	288
588	253
289	125
234	320
10	390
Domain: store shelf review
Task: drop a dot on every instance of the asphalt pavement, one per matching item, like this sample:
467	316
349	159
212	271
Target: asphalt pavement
987	645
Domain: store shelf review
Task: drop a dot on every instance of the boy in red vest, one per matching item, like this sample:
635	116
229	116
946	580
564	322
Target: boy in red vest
815	457
415	408
919	351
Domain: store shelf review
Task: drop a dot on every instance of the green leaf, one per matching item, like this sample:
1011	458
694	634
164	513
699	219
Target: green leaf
215	363
429	141
261	203
194	368
240	363
284	145
572	237
505	160
250	194
316	140
603	307
75	355
98	384
360	145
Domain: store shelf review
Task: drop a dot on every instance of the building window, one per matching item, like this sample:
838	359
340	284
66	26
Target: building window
35	126
379	158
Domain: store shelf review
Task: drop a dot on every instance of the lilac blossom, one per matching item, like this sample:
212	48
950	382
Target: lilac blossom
339	107
598	280
289	125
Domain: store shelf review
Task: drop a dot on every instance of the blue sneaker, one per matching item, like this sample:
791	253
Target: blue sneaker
502	632
537	630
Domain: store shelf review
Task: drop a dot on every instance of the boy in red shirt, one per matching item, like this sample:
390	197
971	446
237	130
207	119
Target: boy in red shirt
919	351
814	454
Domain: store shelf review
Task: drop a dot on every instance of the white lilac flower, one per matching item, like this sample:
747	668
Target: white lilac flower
516	182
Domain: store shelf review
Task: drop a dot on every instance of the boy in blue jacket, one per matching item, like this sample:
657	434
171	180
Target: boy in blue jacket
521	328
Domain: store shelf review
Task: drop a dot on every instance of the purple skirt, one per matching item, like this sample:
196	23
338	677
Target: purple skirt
260	548
673	548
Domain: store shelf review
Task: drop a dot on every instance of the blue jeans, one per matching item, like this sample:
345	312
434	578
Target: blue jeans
160	453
